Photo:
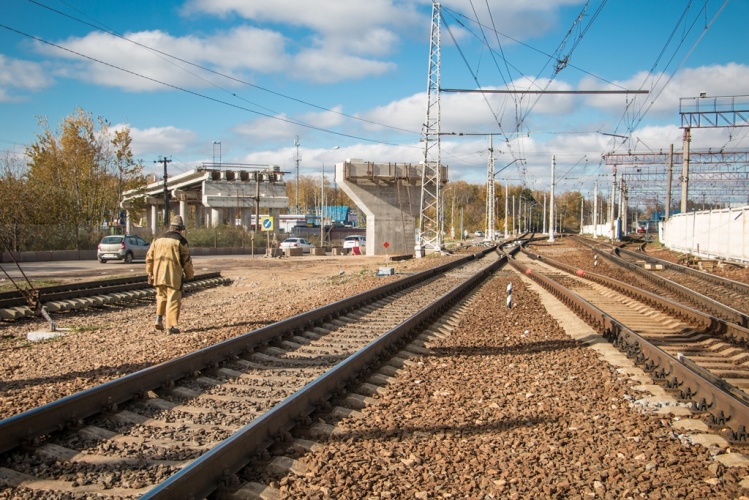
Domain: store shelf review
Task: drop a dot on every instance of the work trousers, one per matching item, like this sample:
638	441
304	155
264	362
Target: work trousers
168	303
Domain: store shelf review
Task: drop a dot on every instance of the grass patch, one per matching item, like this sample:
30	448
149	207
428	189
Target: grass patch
7	286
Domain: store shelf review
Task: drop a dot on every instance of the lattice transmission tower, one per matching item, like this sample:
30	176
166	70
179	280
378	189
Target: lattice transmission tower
430	214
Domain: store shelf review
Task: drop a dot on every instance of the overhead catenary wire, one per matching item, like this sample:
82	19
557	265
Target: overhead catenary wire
639	114
198	94
218	73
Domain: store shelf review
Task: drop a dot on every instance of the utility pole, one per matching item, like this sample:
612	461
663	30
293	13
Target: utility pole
258	176
430	206
551	199
165	161
297	159
514	225
489	234
506	207
685	169
669	178
595	210
612	213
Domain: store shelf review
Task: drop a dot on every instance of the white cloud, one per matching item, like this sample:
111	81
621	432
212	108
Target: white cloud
334	40
224	52
17	77
280	128
156	141
265	129
321	66
334	18
237	53
665	91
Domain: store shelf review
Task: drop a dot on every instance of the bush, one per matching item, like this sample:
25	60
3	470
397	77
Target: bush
223	237
35	238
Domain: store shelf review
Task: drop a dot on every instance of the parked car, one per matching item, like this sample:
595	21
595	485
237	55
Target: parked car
479	233
302	243
126	247
350	242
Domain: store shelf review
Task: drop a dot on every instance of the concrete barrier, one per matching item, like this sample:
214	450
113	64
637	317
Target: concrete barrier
294	252
317	251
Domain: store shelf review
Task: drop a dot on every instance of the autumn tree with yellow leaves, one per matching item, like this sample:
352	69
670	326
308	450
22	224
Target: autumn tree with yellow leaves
71	182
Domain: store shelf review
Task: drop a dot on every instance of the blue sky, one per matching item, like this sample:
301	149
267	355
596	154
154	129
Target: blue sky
253	75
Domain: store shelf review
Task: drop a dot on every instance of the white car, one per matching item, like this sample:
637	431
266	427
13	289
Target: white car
351	242
354	241
302	243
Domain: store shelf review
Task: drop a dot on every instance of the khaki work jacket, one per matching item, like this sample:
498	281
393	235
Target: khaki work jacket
168	259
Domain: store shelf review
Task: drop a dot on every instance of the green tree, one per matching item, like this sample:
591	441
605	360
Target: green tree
18	200
74	167
78	176
129	173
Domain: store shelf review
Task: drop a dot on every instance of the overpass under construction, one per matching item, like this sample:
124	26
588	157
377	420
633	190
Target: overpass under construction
212	195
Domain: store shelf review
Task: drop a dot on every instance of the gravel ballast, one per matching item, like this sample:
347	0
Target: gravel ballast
508	406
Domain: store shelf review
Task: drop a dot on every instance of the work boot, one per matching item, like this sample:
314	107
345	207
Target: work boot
173	330
159	325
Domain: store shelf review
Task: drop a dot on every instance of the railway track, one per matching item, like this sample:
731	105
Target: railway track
721	297
727	299
699	357
14	306
184	428
728	292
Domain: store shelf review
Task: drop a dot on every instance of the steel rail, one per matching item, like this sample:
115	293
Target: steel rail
88	289
71	410
93	297
712	278
735	316
78	286
215	468
706	392
732	331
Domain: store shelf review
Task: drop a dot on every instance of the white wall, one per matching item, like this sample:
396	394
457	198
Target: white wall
709	233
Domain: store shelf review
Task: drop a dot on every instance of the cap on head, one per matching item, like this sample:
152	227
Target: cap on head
177	223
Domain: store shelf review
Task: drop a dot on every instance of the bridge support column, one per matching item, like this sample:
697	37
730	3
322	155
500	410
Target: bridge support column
389	195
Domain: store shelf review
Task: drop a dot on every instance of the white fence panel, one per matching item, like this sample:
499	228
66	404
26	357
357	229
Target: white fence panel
711	234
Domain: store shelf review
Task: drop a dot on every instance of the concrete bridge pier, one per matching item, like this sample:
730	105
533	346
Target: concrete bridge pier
389	195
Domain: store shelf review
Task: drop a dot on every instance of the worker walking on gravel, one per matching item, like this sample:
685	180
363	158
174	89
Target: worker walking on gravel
168	265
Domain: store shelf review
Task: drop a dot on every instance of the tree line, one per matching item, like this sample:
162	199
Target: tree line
71	180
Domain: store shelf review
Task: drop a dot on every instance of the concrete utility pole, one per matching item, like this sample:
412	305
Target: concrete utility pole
489	234
595	210
506	207
551	200
297	160
669	178
685	169
165	161
513	216
612	206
